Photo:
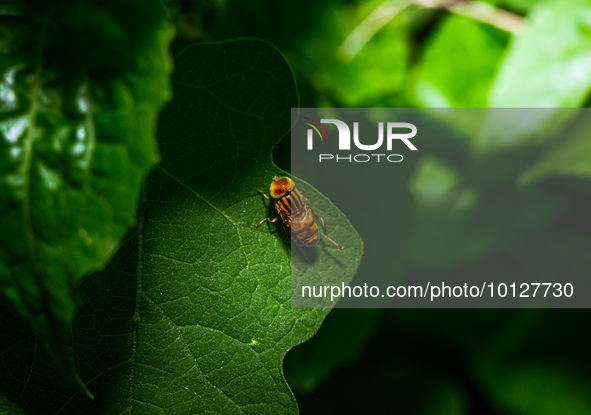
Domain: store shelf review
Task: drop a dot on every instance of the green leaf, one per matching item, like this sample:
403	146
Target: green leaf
193	314
376	73
81	85
518	6
9	408
549	65
550	77
570	157
458	64
456	71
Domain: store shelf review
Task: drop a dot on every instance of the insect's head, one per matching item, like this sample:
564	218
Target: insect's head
280	186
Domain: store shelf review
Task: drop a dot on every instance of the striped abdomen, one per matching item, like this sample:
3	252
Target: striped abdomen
297	218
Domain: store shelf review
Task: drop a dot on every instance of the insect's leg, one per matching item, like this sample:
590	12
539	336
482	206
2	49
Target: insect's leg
324	229
302	191
339	245
263	221
263	193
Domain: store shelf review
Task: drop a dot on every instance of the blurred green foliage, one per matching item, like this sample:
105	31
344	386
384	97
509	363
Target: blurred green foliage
77	139
483	202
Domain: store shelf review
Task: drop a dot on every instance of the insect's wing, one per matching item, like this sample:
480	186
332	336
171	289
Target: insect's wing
286	222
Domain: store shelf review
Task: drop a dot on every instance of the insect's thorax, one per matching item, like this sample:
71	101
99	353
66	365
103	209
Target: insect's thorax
292	205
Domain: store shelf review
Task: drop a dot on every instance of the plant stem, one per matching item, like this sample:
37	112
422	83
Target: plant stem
389	9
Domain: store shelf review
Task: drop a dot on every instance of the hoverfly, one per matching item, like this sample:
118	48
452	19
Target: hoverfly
299	222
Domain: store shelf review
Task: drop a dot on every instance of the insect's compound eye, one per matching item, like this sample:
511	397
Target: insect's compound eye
287	183
276	190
